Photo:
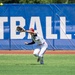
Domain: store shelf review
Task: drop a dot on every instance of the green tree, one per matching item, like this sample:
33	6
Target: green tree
29	1
9	1
71	1
38	1
23	1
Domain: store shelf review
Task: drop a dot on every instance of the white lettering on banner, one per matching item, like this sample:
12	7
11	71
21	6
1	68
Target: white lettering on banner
63	34
2	20
36	21
13	26
49	34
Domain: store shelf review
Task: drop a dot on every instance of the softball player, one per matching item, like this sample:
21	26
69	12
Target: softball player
41	45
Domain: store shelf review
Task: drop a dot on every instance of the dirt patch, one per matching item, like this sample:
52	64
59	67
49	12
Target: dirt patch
31	52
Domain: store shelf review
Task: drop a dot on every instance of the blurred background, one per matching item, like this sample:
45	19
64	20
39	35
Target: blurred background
38	1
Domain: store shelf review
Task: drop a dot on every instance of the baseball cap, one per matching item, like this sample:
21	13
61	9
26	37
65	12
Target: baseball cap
31	29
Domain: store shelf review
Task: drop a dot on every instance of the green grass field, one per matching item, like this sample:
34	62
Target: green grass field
27	65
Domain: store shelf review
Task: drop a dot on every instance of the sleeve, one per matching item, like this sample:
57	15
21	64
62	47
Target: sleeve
31	43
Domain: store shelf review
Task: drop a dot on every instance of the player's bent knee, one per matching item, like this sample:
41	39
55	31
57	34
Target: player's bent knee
36	55
40	55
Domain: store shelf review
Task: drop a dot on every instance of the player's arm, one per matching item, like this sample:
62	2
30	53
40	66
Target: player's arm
30	43
29	31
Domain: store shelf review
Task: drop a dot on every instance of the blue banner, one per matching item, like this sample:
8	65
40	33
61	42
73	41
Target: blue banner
54	22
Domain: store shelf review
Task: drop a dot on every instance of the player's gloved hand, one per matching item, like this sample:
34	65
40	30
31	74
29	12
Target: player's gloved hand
26	43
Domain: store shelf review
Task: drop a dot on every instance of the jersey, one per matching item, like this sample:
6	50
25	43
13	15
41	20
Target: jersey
38	39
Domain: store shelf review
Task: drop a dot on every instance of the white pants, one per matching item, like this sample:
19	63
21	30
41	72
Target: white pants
40	50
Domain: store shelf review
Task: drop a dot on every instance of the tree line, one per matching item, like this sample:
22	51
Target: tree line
37	1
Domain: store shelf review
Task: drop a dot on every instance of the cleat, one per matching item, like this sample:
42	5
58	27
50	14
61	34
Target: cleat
41	63
41	60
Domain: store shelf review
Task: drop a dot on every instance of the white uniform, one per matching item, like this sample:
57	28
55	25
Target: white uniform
41	45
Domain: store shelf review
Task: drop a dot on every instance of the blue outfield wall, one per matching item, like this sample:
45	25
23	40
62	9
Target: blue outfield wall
54	22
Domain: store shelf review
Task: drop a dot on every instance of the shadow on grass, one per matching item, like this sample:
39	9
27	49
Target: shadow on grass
35	64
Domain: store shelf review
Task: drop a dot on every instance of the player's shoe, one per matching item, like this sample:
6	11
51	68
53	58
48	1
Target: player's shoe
42	62
38	59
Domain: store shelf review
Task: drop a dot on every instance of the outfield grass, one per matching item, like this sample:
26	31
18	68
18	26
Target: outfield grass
27	65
